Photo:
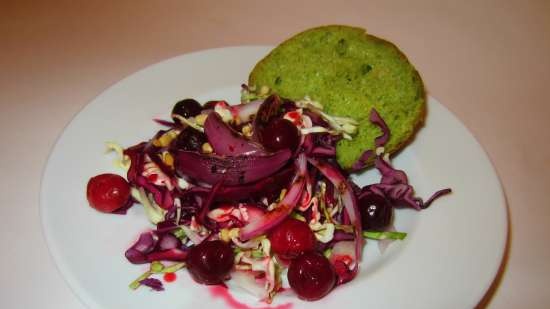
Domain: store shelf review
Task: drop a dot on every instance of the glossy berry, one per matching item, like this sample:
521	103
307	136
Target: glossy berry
186	108
280	134
376	212
107	192
210	262
291	238
189	139
311	276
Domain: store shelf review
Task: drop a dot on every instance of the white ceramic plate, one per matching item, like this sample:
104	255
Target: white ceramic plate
448	260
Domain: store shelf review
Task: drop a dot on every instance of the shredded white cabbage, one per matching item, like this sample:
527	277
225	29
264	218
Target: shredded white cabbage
121	161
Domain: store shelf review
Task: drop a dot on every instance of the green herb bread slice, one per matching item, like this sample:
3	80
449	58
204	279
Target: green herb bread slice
349	72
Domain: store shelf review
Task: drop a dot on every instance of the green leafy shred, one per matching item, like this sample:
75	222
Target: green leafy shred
384	235
327	253
156	267
154	212
179	233
298	216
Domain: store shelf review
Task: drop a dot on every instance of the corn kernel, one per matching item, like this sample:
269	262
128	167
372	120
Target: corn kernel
166	138
247	130
168	159
234	232
224	235
207	148
282	194
227	234
200	119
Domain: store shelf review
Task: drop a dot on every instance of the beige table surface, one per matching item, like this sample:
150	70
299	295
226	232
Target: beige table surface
487	61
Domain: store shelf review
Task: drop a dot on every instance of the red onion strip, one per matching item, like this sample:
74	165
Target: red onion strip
237	170
263	187
245	111
208	202
348	198
270	219
226	141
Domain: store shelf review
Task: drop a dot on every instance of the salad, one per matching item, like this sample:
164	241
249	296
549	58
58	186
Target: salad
251	195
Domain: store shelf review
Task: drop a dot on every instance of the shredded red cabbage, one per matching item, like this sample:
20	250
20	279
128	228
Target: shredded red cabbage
153	283
361	163
241	185
137	253
395	187
174	254
379	141
375	118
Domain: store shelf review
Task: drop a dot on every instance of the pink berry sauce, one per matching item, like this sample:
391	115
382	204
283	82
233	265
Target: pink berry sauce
219	291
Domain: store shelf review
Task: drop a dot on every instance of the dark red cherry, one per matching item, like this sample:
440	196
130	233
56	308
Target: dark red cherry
186	108
376	212
210	262
311	276
107	192
291	238
280	134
